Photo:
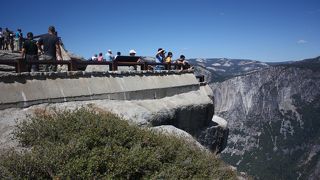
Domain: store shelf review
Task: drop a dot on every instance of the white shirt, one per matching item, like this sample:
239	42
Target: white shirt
94	58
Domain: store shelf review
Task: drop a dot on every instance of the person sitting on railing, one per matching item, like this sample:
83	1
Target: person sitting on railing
30	52
51	47
100	57
168	60
94	57
160	58
109	56
118	54
182	63
133	53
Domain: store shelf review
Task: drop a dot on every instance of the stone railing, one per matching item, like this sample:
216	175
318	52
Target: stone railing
25	89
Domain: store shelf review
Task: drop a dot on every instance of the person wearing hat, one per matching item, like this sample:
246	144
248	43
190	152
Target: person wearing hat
49	46
132	52
160	56
109	55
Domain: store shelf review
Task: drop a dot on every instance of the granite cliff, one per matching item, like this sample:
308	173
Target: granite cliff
274	120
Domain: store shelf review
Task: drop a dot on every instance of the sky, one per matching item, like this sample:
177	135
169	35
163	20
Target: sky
264	30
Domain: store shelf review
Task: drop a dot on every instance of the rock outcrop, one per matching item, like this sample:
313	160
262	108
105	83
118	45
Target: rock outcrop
149	99
188	112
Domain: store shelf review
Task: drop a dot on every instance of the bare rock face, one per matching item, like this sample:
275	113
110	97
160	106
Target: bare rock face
215	136
171	130
8	55
273	116
189	112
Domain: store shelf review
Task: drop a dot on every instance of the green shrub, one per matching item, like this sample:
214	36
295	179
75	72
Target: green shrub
86	144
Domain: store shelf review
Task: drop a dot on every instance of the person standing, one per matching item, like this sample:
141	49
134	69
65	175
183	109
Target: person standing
51	47
30	52
1	39
109	56
11	40
6	39
18	40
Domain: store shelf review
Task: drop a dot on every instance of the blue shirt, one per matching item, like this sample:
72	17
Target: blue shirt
17	35
159	59
109	57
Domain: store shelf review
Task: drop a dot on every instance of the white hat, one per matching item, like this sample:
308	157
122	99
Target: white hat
109	50
132	51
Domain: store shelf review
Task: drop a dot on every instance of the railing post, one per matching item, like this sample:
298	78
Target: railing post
200	77
145	66
111	66
73	65
21	66
168	66
115	66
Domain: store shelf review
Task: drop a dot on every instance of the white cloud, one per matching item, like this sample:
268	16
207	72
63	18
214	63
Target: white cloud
302	41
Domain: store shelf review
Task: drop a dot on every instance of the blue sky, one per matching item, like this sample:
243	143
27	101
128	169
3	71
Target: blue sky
265	30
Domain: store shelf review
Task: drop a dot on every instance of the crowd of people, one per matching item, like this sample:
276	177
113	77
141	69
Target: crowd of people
10	40
161	57
109	56
46	48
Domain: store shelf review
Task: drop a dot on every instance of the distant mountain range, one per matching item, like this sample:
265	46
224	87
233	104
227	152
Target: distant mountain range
223	68
273	111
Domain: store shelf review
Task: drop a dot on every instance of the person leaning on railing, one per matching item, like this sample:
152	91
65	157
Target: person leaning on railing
30	52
